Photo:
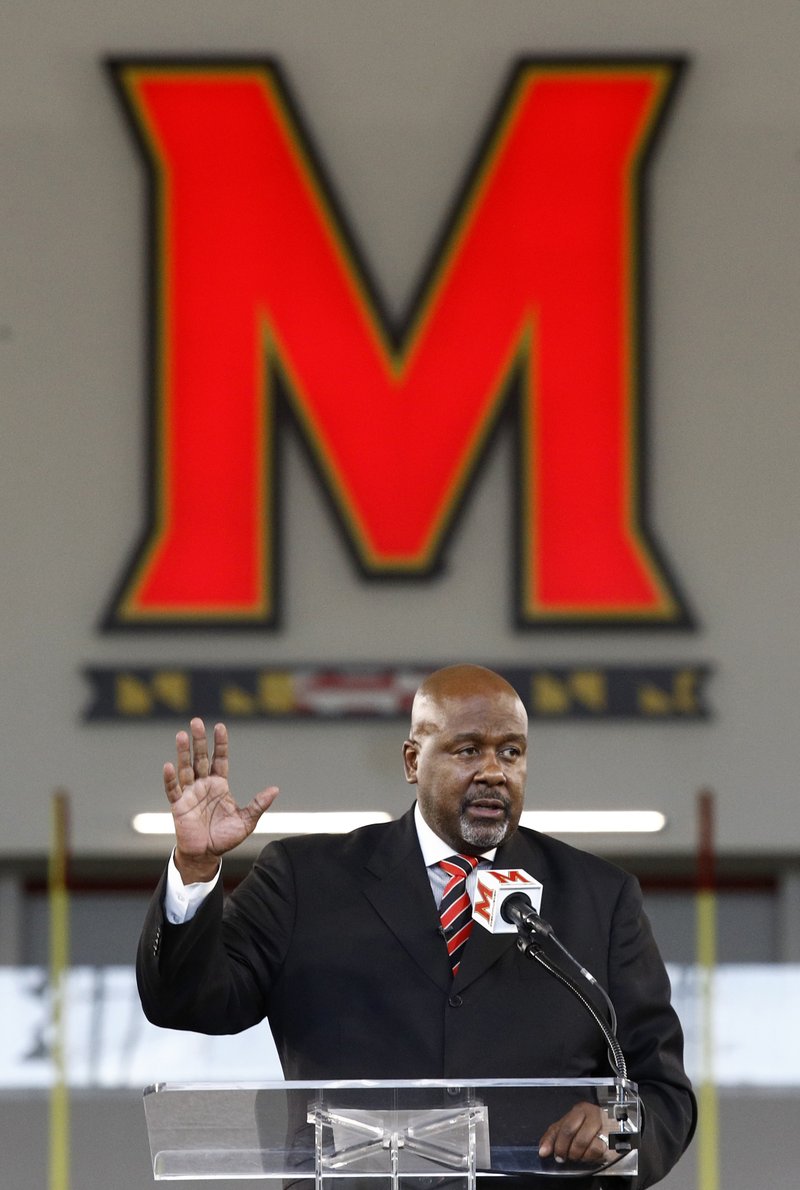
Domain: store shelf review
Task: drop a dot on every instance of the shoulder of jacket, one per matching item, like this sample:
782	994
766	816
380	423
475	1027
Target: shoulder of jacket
562	854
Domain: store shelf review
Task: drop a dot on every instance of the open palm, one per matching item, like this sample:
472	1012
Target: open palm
208	821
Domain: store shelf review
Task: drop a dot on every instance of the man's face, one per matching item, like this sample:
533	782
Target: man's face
468	756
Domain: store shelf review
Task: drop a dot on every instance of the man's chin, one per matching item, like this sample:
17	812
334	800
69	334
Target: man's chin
483	834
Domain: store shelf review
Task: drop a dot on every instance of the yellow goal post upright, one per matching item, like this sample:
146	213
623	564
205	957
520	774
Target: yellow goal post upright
706	917
58	898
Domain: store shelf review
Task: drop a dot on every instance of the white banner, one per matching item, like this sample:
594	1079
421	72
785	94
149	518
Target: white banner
110	1044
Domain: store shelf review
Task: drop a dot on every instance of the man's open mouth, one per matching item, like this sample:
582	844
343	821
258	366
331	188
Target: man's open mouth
488	807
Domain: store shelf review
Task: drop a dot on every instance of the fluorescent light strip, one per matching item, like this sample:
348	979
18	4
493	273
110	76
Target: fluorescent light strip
336	822
594	822
275	822
553	822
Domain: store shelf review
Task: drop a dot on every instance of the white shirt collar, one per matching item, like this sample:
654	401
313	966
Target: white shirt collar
433	848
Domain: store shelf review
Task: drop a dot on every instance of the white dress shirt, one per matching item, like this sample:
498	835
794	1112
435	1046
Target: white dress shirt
435	849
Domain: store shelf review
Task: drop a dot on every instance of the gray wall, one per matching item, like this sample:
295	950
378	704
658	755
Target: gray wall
396	94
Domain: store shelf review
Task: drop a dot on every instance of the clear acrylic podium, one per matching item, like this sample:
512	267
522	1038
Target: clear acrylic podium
407	1135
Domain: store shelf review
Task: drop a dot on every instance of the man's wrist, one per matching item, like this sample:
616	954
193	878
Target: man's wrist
182	899
193	870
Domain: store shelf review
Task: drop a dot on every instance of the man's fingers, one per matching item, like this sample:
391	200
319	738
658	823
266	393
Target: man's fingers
585	1145
219	761
576	1136
171	786
200	747
255	808
184	767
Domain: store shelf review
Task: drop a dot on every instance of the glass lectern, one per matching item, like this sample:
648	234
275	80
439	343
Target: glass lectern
407	1135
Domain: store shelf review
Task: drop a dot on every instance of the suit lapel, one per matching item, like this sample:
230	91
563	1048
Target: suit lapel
400	892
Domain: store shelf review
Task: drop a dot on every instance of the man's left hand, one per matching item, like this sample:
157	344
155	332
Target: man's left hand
576	1136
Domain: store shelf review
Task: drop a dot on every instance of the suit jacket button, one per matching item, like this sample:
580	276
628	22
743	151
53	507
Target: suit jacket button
455	1001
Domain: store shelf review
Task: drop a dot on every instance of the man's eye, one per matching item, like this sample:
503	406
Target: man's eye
512	752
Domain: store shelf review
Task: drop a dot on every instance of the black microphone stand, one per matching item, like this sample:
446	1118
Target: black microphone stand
533	931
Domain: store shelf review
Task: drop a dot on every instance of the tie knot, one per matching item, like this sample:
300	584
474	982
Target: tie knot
459	865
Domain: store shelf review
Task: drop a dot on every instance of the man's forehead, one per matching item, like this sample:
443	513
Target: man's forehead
476	713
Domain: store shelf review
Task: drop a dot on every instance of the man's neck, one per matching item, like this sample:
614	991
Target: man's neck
433	847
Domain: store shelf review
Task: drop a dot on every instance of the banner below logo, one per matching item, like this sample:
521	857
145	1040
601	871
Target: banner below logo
587	692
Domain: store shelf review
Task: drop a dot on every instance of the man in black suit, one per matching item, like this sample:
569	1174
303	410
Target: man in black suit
337	939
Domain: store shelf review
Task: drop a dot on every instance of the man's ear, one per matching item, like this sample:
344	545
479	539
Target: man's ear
410	756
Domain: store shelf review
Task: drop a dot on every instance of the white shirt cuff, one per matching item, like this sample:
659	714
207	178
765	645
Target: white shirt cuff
181	901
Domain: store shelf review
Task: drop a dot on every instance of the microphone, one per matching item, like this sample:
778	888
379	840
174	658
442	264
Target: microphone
518	910
497	888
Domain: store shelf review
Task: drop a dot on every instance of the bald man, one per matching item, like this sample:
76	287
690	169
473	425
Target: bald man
337	940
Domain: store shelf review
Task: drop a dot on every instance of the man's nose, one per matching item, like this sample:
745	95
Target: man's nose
491	771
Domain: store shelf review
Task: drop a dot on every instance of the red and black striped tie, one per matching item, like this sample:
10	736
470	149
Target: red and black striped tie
455	910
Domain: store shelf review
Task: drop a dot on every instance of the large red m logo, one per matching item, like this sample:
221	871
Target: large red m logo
530	304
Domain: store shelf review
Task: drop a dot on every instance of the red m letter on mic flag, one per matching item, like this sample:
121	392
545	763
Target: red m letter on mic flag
483	901
258	292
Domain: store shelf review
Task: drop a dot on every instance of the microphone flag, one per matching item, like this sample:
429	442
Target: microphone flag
491	890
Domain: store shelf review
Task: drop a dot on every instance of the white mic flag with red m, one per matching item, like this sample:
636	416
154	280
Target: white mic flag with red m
491	891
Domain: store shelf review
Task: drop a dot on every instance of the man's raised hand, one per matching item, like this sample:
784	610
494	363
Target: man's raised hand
208	821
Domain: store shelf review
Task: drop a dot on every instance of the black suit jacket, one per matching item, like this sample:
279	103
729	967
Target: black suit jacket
335	938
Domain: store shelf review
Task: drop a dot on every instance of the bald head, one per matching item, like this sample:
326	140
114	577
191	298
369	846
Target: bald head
467	756
458	683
